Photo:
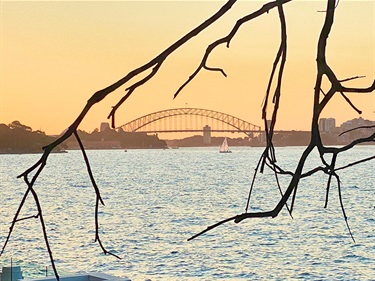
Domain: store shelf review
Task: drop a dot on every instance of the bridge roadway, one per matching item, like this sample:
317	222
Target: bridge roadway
219	131
199	131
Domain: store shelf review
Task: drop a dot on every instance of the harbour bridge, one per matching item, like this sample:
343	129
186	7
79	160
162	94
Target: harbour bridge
190	120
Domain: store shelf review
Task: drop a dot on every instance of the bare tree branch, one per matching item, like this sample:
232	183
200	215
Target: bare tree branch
227	39
215	69
41	218
357	128
342	206
355	163
28	217
319	105
359	90
93	182
268	157
96	98
350	103
352	78
98	197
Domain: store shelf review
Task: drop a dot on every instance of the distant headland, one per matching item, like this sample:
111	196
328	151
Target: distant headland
17	138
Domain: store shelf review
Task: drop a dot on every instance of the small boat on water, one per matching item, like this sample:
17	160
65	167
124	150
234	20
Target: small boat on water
224	148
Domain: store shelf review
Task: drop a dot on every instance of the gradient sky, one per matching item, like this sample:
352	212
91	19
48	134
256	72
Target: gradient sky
55	54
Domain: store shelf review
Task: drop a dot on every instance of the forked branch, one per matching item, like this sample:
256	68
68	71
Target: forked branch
97	97
227	39
271	102
315	141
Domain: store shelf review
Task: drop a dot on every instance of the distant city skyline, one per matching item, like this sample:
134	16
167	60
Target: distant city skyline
326	125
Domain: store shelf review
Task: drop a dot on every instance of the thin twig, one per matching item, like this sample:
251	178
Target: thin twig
41	218
98	197
342	207
355	163
227	39
356	128
351	103
352	78
27	218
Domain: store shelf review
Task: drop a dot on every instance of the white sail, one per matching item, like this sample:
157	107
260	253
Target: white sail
224	148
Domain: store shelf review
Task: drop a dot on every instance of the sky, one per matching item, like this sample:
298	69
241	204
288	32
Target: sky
55	54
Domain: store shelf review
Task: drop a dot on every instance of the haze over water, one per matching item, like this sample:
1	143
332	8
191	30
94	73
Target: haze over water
156	199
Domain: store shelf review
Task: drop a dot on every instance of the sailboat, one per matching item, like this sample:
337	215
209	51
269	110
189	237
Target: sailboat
224	148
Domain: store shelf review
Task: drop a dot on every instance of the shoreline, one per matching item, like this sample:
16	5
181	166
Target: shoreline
165	148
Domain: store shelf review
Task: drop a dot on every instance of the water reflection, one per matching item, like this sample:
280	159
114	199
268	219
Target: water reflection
156	199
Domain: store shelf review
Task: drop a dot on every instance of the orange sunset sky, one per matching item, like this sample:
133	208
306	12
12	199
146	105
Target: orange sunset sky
55	54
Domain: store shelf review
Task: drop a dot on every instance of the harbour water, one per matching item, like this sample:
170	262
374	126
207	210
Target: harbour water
156	199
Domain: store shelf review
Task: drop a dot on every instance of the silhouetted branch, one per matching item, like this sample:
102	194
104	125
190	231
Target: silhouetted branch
41	163
342	206
355	142
281	193
357	128
215	69
41	218
277	169
268	157
331	172
253	182
269	151
130	90
212	227
350	103
93	182
355	163
227	39
315	141
359	90
157	61
15	219
338	1
27	218
352	78
96	98
98	197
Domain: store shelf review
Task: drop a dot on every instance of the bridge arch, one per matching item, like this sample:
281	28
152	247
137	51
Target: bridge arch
140	124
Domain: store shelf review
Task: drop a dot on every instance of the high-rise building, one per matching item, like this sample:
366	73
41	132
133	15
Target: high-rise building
327	124
330	124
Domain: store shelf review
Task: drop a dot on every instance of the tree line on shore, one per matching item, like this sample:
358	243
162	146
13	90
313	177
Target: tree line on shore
19	138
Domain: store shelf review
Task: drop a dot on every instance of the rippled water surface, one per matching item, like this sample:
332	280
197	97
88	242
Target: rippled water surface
156	199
